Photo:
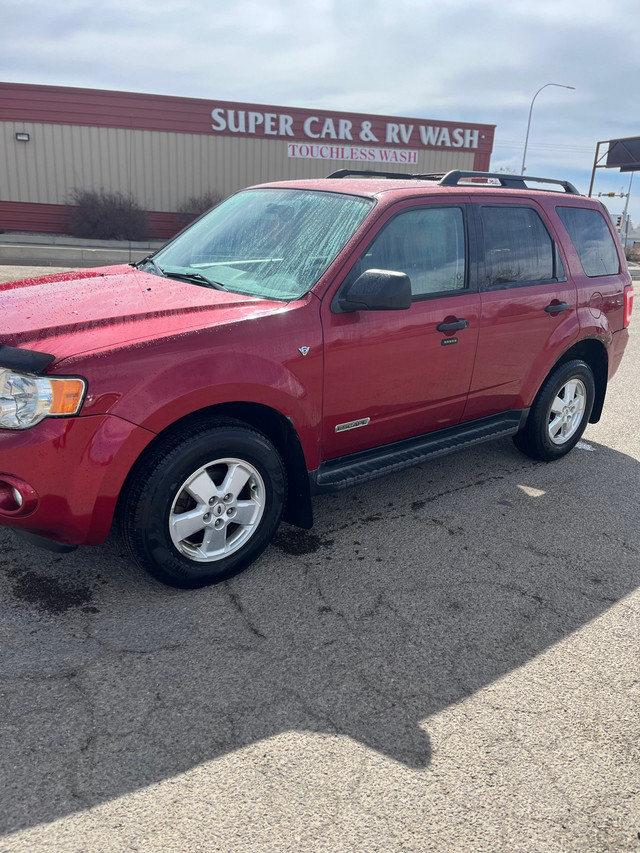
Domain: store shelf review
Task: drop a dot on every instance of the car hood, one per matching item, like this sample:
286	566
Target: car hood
70	313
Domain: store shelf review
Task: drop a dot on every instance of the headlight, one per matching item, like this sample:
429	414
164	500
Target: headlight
25	399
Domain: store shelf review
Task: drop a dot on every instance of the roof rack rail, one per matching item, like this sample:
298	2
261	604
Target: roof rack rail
454	177
375	173
512	182
370	173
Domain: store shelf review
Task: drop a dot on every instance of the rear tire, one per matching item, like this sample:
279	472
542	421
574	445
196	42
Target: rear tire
200	509
559	413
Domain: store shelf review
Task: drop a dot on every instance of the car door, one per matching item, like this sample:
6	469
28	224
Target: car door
393	374
529	313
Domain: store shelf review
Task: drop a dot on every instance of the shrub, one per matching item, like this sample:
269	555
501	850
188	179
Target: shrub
193	207
106	216
633	252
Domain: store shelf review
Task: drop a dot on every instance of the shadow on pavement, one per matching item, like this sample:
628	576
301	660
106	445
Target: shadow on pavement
408	595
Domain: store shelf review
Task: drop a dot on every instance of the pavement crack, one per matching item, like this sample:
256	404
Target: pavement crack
168	648
237	604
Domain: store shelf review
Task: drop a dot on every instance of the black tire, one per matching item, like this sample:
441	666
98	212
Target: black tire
156	509
553	429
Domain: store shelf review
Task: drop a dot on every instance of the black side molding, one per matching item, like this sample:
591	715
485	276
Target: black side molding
369	464
25	360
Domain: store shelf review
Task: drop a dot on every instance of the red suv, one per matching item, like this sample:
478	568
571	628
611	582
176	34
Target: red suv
299	338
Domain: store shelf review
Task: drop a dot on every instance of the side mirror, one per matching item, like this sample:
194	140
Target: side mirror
376	290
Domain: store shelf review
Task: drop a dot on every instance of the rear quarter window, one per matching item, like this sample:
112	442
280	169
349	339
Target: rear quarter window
592	239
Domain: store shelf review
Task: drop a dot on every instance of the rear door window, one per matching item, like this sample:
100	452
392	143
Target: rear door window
592	240
518	249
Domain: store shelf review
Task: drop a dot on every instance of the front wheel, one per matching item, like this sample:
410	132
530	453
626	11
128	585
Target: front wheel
559	413
200	509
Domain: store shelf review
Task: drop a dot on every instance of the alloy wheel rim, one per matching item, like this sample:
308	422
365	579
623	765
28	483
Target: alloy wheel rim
217	510
567	411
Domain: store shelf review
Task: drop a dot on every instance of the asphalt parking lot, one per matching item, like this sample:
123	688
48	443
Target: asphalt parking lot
448	661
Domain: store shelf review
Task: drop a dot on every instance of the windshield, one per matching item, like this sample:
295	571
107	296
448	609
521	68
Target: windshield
273	243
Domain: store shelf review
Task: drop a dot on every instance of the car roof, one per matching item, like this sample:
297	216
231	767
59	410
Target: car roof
453	183
370	187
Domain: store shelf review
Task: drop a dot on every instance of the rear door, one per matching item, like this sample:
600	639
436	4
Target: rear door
529	305
391	375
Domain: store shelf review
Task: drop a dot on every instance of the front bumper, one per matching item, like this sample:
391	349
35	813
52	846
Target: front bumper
76	468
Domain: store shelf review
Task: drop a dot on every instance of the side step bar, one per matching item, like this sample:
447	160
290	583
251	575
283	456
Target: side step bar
367	465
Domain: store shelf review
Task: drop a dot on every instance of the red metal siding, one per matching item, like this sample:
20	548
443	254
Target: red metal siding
53	218
162	225
482	161
33	218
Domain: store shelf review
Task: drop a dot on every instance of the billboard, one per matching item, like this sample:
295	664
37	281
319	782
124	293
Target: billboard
624	154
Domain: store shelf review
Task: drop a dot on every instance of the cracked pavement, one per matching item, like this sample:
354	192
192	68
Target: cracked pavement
448	661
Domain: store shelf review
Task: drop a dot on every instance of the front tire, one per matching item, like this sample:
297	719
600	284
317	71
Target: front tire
560	412
202	508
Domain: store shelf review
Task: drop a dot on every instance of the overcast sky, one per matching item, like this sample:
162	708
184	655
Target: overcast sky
459	60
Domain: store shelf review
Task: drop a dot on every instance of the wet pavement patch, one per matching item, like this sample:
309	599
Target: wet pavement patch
49	594
298	542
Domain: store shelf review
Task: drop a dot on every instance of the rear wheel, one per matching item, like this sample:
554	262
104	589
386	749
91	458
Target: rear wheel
200	509
559	413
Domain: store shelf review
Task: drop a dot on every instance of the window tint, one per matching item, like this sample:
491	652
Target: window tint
592	239
427	244
517	246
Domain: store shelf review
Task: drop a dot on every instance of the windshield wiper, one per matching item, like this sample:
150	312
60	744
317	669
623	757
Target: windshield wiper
149	260
195	277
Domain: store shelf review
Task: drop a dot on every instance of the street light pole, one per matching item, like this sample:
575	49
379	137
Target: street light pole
526	141
625	214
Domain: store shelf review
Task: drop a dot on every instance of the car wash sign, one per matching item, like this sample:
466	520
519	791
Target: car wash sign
349	136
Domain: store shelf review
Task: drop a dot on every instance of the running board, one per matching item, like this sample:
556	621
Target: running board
369	464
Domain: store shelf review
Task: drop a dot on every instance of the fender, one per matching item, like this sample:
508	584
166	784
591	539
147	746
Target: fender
268	360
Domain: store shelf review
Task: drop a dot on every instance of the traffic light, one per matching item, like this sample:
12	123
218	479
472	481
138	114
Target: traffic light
619	221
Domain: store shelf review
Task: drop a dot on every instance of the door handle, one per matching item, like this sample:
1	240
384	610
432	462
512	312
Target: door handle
452	327
557	307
